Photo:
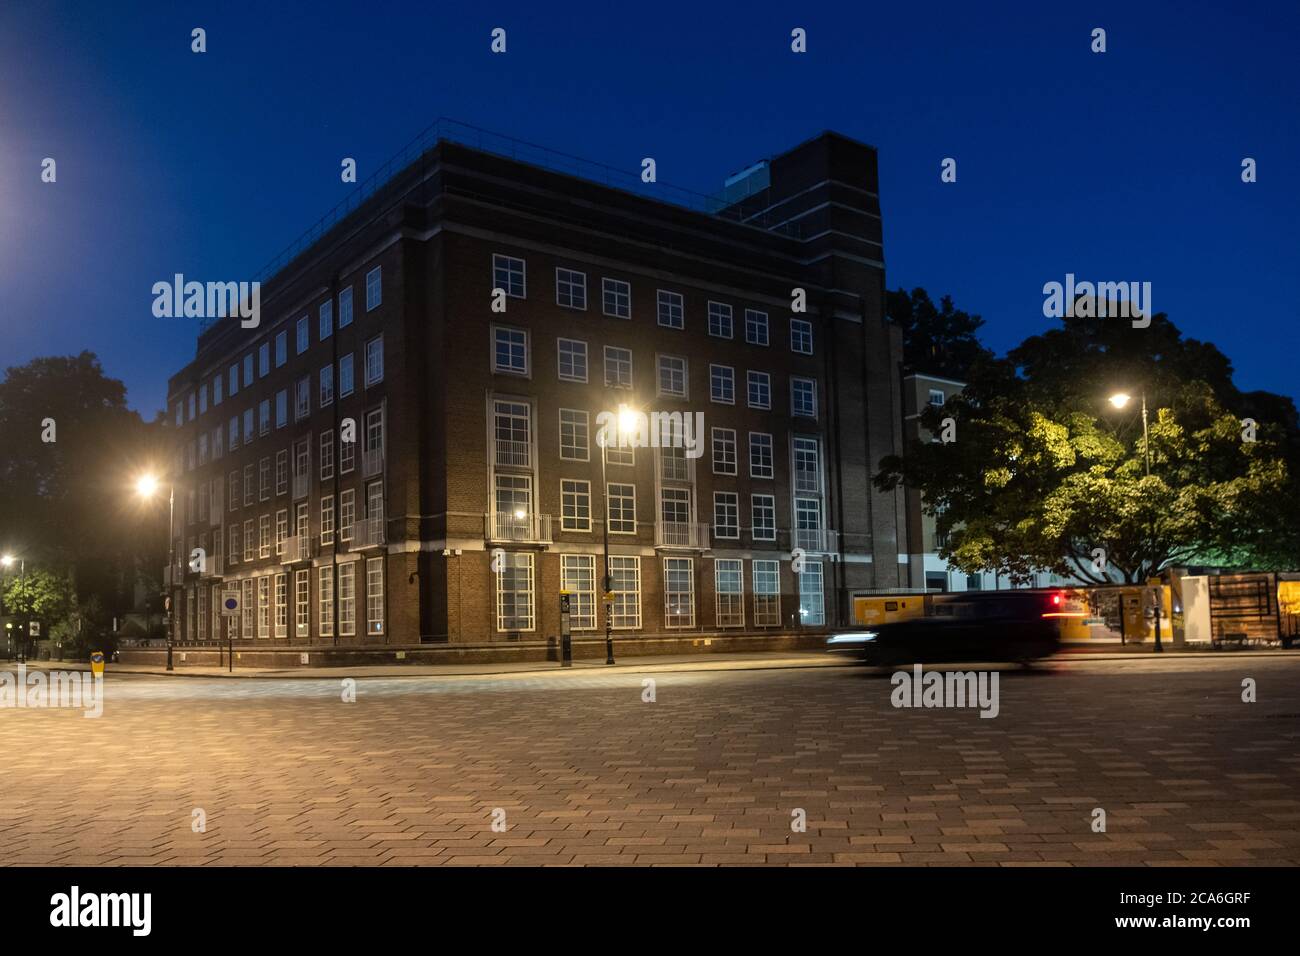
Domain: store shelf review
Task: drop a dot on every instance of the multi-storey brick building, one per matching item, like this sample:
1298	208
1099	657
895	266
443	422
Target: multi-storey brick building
472	493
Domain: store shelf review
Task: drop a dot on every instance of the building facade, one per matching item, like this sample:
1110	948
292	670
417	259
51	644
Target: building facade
407	449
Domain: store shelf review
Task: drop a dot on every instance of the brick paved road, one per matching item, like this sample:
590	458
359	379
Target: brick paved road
710	773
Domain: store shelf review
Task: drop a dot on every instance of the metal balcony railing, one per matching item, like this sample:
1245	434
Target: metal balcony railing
372	462
818	540
368	533
806	480
301	484
298	548
518	528
514	454
681	534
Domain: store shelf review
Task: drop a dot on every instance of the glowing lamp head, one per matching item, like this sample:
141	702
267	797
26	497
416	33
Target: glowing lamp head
146	486
1120	399
627	420
7	560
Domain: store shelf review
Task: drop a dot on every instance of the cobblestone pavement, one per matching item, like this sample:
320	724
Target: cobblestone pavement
582	770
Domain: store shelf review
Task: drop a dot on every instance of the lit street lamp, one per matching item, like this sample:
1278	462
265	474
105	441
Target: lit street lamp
146	486
7	561
1120	400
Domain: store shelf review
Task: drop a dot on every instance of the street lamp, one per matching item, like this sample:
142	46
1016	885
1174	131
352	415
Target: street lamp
8	562
1120	400
624	422
146	487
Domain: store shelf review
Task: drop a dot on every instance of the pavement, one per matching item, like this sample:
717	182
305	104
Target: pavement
667	763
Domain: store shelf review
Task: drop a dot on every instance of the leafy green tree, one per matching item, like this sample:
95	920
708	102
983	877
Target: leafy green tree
39	594
1045	474
939	340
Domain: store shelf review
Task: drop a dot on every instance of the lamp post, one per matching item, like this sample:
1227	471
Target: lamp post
8	562
1119	400
623	422
146	487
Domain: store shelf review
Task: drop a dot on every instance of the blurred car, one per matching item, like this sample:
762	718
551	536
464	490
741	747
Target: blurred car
1015	625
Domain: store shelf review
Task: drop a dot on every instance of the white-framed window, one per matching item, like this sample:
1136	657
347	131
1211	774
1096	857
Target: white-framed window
347	380
375	595
282	605
673	464
575	435
325	599
572	360
726	514
625	583
509	273
264	606
807	518
515	592
345	307
232	542
616	298
672	312
302	603
347	513
325	326
812	602
348	598
326	455
721	322
722	384
801	336
281	348
248	607
375	361
374	288
729	592
759	390
281	471
327	519
509	351
622	508
806	454
675	513
281	530
264	360
264	536
233	491
264	479
724	451
936	397
679	592
347	456
760	455
302	398
575	505
264	417
672	376
618	367
282	408
513	431
578	577
250	542
326	390
301	335
803	397
618	454
763	514
570	288
756	327
250	486
767	593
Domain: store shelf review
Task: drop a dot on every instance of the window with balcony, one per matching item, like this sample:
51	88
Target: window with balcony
673	464
807	465
512	426
513	503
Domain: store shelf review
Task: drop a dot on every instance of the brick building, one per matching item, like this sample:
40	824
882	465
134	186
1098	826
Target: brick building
472	491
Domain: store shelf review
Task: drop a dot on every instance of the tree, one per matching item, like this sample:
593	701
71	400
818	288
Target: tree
1044	474
39	595
938	340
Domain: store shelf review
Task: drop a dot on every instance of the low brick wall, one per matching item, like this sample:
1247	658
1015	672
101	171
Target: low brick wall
497	653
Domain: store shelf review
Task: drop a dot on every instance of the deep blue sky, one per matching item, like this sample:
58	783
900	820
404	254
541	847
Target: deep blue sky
1122	166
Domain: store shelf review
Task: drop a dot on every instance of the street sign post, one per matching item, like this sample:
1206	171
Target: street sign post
566	636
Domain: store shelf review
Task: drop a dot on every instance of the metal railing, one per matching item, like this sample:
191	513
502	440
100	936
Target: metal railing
372	462
681	534
517	528
298	548
819	540
301	484
514	454
368	533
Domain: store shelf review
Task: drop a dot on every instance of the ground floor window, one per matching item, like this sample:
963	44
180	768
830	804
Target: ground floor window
191	602
264	606
202	613
578	577
767	593
282	604
375	596
515	593
348	599
301	604
625	582
729	591
247	608
812	606
679	592
325	599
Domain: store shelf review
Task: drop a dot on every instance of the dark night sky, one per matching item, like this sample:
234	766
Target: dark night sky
1122	166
